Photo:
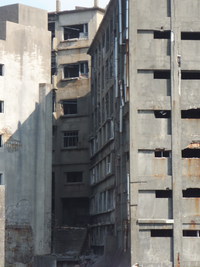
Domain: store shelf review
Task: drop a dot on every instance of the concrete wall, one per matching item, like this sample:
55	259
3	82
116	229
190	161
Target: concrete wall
26	130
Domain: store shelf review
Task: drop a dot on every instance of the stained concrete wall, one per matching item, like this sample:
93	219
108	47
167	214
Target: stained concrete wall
26	130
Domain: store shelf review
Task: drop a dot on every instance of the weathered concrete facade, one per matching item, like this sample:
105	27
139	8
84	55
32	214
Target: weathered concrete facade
25	135
155	139
72	34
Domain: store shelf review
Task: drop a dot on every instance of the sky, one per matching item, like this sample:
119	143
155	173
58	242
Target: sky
50	5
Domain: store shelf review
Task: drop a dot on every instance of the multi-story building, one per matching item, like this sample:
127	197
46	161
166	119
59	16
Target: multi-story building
145	133
25	137
72	34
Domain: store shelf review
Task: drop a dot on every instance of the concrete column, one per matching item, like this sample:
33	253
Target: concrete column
176	137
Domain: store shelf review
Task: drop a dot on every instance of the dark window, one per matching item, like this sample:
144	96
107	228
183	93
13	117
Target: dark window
76	31
190	75
162	74
163	193
162	153
1	69
162	114
191	192
70	139
190	36
191	153
1	106
1	178
1	141
76	70
190	233
69	106
190	114
51	28
161	34
162	233
74	177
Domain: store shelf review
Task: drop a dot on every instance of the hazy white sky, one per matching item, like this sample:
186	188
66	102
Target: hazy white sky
50	5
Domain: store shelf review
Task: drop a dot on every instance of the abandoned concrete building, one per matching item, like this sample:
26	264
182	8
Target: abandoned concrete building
25	136
145	157
72	34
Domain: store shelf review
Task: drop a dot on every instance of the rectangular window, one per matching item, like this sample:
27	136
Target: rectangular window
190	114
1	179
162	233
190	36
162	74
1	69
191	192
162	114
1	106
162	154
163	193
78	31
190	75
191	233
191	153
69	106
76	70
74	177
162	34
70	139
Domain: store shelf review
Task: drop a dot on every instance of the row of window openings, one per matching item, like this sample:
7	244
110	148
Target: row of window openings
76	70
101	170
185	75
185	114
102	202
169	233
184	35
186	153
187	193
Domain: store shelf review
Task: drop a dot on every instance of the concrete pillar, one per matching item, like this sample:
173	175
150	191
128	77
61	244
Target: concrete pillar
96	3
58	5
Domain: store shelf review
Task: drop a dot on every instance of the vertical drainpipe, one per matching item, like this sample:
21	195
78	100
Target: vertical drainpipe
116	67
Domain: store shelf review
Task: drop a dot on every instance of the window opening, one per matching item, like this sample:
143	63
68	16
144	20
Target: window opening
162	74
1	178
69	106
190	35
190	75
70	139
76	70
162	153
191	153
162	233
74	177
190	114
163	193
1	106
162	34
76	31
51	28
1	69
162	114
191	233
191	192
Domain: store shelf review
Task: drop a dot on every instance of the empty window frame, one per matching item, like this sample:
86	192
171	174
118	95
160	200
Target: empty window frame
190	35
190	114
190	75
76	70
191	193
69	106
1	106
161	34
74	177
162	153
191	153
162	114
162	233
70	139
191	233
1	69
76	31
163	193
162	74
